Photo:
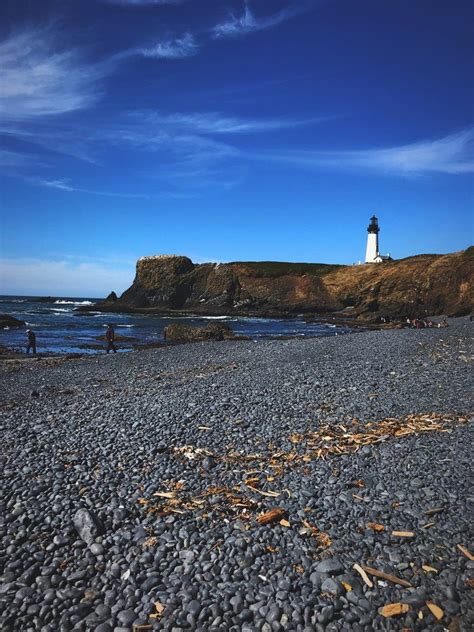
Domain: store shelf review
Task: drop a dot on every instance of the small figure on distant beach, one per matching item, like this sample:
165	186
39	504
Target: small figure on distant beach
31	336
110	337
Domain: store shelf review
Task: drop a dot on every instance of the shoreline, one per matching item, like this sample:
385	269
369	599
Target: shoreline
143	480
10	353
7	353
352	326
329	316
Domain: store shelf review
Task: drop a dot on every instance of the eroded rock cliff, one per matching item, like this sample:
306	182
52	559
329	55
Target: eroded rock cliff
416	286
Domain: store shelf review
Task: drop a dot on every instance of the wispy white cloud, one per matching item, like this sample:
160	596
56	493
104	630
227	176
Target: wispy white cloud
64	184
142	131
453	154
247	22
66	140
39	79
64	276
216	123
172	48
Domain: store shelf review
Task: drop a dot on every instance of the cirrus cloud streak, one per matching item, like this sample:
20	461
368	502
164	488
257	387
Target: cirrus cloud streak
39	78
248	22
453	154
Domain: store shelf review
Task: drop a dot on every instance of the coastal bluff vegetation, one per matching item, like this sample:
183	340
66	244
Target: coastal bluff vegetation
414	286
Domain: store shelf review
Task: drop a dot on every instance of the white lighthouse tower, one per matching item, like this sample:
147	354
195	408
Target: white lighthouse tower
372	254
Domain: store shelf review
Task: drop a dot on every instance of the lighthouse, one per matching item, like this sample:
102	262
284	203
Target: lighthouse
372	250
372	254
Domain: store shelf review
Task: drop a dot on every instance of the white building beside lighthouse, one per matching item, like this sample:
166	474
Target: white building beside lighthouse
372	253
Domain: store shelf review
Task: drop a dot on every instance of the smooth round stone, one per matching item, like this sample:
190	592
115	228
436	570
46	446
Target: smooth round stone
365	605
284	585
273	614
194	608
49	596
327	614
24	593
246	615
331	566
332	586
126	617
97	549
102	611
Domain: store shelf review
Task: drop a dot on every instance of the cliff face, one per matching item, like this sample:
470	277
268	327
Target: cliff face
426	284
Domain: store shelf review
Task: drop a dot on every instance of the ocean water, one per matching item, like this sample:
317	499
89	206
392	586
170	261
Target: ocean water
61	329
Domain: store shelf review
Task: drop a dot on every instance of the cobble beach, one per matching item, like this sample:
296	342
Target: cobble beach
134	486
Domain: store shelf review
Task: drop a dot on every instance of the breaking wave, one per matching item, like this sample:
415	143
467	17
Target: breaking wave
60	302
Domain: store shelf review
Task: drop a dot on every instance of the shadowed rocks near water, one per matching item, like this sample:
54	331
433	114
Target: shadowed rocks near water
10	321
414	287
185	333
45	299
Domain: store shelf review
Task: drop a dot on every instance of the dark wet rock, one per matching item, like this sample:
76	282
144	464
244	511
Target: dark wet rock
97	549
332	586
194	608
186	333
208	463
11	322
331	566
104	627
126	617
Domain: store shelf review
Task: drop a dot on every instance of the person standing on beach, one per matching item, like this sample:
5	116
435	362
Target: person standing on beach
31	336
110	337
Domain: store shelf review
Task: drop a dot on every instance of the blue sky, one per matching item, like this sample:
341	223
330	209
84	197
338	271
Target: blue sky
228	130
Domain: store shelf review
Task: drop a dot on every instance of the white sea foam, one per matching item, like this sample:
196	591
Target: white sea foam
73	303
13	300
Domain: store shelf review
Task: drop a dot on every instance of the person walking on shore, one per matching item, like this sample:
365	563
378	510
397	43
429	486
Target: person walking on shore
110	337
31	336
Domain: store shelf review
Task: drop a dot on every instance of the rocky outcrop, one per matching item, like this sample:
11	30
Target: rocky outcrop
111	298
416	286
164	280
10	321
186	333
